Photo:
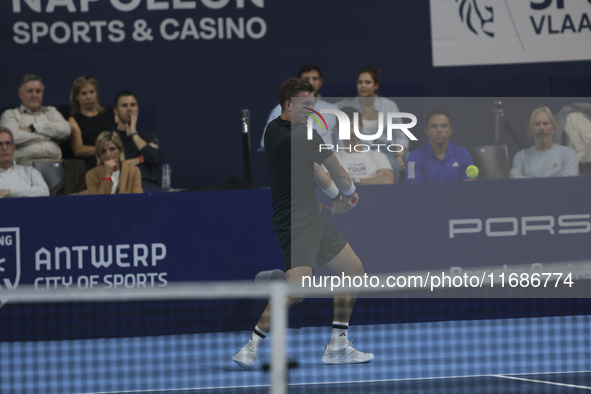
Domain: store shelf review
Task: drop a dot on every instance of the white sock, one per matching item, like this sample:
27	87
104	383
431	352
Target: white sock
338	338
256	337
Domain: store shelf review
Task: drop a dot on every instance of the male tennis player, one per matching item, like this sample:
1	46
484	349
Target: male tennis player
307	238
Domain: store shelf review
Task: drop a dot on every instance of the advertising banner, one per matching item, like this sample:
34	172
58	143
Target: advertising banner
55	23
478	32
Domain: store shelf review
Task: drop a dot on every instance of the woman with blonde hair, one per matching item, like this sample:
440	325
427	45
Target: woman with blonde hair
87	118
112	175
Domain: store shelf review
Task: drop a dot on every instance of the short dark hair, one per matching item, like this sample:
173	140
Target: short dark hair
291	88
375	73
306	68
123	93
28	78
439	112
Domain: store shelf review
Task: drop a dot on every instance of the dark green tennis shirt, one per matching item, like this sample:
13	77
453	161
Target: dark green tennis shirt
290	159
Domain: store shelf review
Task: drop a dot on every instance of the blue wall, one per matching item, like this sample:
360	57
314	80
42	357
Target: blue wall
152	240
226	235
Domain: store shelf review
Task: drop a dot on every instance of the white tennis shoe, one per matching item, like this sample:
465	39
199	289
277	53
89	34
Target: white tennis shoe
246	357
345	355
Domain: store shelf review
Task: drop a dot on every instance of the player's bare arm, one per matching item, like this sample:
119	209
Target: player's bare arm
321	177
342	180
323	180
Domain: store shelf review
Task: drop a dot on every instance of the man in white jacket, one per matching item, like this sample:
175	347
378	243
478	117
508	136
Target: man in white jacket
37	130
15	180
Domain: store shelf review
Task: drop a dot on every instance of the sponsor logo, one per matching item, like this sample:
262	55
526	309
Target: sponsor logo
101	266
10	258
475	17
470	32
521	226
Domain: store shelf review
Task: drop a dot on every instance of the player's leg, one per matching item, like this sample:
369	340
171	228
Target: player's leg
293	275
345	263
339	350
247	355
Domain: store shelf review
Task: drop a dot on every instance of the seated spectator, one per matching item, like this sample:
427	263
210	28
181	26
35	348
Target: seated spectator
112	175
365	166
87	118
574	131
37	130
17	180
140	147
545	158
310	73
439	160
370	104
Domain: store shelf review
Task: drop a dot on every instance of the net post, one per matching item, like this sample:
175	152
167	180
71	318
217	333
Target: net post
278	300
245	114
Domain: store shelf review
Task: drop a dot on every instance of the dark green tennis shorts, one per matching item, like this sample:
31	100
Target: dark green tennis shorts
311	246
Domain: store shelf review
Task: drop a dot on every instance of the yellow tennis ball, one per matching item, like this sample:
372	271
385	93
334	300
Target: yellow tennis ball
472	171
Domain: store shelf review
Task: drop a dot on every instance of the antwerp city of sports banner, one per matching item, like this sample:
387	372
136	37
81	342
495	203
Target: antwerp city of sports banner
471	32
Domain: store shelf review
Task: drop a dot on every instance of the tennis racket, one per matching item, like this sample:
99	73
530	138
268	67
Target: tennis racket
325	210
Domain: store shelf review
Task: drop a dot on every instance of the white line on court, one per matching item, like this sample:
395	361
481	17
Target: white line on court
368	381
542	381
183	389
434	378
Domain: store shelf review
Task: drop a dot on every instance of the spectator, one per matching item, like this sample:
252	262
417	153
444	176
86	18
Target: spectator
439	160
310	73
140	147
365	166
37	130
371	105
17	180
112	175
544	158
574	128
87	118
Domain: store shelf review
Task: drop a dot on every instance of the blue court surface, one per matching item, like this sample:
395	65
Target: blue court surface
533	355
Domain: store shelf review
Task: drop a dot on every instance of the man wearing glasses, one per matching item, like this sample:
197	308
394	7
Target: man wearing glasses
15	180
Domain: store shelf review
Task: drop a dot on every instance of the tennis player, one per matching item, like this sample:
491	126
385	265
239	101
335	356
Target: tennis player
307	238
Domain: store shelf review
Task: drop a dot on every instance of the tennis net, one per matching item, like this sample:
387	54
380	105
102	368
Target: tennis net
181	338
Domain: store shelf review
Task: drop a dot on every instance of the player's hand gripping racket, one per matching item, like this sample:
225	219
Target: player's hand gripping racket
340	206
352	202
325	210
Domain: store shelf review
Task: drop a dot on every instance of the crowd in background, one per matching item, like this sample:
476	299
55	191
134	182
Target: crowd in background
103	151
